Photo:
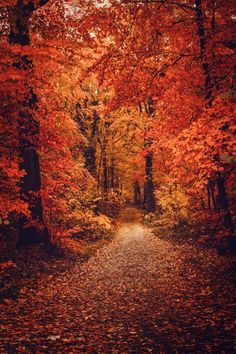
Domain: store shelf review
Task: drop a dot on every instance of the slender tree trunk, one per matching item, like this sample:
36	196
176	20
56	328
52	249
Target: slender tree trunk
99	172
29	128
105	172
208	196
223	201
112	173
90	159
150	204
150	199
144	195
90	151
203	51
137	194
202	203
212	191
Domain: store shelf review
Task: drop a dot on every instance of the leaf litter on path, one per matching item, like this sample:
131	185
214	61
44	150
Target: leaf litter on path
139	294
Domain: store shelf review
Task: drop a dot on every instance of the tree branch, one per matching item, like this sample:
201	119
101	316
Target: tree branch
184	6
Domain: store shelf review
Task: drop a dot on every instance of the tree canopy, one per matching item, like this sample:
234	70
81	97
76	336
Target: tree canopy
110	100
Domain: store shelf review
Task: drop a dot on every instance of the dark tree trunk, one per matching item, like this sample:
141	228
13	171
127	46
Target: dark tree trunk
105	172
88	126
30	184
203	52
137	194
149	203
90	159
112	174
144	195
212	192
208	196
202	203
223	201
149	198
211	201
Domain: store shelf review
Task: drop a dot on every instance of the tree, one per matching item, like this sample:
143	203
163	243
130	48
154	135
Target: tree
19	16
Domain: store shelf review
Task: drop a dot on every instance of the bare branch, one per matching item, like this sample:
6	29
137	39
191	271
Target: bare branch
184	6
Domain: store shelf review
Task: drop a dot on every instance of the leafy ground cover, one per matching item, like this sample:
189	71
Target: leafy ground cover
137	294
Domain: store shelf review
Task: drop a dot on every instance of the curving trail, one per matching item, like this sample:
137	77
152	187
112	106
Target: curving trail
139	294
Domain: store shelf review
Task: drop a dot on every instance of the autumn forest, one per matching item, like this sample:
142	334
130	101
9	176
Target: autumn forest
117	210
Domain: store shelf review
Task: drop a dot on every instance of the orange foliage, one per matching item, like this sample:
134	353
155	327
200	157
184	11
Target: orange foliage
134	51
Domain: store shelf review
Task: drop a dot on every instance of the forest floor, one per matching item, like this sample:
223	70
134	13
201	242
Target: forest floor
137	294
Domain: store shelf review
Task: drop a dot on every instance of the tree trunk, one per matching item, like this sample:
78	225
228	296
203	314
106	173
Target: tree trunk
137	194
150	204
90	152
203	52
212	191
223	201
208	196
112	174
90	159
30	184
105	172
149	199
144	195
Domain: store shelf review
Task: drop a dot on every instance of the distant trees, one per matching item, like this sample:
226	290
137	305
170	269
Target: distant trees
107	138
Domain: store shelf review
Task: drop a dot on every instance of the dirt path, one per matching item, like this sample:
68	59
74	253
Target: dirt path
139	294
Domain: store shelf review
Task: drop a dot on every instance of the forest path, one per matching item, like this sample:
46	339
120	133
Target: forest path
138	294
